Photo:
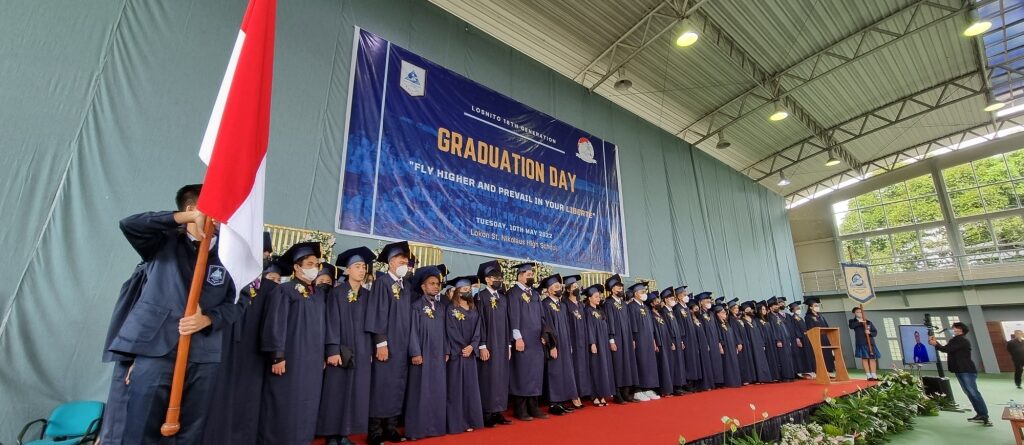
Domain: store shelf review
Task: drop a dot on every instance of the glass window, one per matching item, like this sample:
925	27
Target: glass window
1015	161
998	197
1009	232
894	193
907	250
959	177
991	170
849	222
977	237
927	209
873	218
921	186
895	352
899	214
966	203
855	249
890	328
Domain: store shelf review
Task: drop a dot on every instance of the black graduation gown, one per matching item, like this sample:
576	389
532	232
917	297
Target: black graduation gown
731	376
235	404
690	354
665	355
116	409
496	335
345	400
817	321
770	351
747	371
704	351
464	410
580	347
756	345
783	345
620	329
601	373
676	359
559	377
388	317
643	334
293	329
427	389
526	314
798	329
713	334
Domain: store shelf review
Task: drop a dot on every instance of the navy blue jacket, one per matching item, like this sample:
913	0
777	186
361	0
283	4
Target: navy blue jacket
151	327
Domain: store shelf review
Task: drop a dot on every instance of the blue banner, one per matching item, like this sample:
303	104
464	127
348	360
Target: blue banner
433	157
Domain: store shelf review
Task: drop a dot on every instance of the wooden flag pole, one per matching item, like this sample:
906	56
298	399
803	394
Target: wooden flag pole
171	420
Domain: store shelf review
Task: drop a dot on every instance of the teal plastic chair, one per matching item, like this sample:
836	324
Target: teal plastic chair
69	423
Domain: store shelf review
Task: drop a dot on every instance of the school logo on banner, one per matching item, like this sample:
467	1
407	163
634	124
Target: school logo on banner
413	80
215	275
585	151
858	282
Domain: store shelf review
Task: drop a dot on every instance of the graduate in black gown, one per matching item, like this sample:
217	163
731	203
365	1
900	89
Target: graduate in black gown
559	377
675	330
622	350
783	339
345	398
428	354
755	344
798	328
691	351
729	348
293	339
599	352
463	327
713	334
747	371
703	345
526	319
235	405
388	318
664	343
762	321
495	347
814	319
646	349
578	333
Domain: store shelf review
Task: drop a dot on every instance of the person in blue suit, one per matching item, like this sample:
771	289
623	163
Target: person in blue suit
168	244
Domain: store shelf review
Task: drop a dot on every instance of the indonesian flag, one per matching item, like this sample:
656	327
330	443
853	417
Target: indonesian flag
235	146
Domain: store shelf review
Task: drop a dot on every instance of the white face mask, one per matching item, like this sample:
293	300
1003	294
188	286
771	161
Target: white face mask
686	299
643	297
671	303
400	271
310	274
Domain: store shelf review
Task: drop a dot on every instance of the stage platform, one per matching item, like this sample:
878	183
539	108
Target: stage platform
694	416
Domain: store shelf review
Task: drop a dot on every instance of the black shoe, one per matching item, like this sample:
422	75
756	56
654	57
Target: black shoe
489	420
568	408
978	419
501	420
524	418
557	410
533	410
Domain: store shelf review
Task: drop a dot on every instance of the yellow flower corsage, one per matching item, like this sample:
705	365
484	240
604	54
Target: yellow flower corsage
494	303
458	315
577	314
427	310
302	290
353	296
597	315
396	291
660	320
643	311
554	307
618	305
526	297
252	292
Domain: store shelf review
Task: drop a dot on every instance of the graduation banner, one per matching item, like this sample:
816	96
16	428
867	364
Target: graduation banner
858	282
433	157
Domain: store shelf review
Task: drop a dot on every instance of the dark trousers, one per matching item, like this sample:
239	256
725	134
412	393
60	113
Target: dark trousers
383	429
148	396
117	406
969	383
1018	368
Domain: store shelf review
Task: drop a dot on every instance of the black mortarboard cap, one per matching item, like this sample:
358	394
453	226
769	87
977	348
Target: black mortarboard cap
717	308
421	275
275	266
392	250
467	280
268	245
597	288
703	296
524	267
549	280
680	289
795	303
299	251
668	292
811	301
636	286
612	281
355	255
329	270
733	302
569	279
489	269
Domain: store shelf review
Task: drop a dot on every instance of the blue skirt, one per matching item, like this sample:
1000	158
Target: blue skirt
862	351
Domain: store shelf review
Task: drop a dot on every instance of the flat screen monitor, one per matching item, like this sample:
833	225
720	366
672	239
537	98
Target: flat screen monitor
914	344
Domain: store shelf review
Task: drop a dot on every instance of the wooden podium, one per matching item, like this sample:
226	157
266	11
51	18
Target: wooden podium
832	334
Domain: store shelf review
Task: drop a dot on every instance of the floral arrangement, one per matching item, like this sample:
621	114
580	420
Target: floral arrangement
808	434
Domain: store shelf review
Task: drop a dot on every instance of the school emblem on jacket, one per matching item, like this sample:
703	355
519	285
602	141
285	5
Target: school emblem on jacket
458	315
215	275
413	80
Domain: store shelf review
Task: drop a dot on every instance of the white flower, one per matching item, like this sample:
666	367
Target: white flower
752	407
725	419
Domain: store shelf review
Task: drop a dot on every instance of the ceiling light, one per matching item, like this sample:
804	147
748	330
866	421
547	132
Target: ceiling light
977	27
994	105
782	179
779	114
623	85
722	143
687	38
832	160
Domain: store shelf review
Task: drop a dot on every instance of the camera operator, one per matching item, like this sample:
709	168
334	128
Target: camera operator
958	351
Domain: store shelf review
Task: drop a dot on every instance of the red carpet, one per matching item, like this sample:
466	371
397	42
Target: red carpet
660	421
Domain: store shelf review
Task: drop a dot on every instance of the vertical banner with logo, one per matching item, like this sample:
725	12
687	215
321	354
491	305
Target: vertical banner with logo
858	282
433	157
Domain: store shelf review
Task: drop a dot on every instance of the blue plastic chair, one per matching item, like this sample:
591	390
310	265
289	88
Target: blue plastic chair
69	423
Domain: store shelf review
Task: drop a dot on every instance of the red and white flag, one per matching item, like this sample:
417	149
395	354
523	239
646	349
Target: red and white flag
235	146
